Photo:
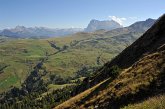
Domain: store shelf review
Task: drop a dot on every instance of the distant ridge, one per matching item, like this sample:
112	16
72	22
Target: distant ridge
41	32
108	27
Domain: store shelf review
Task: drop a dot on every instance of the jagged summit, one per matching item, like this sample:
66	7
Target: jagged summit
106	25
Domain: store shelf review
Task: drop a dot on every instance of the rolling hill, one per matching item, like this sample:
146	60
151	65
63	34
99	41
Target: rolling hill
91	49
46	72
141	76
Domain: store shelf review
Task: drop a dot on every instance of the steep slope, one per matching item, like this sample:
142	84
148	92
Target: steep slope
106	25
143	65
156	102
148	43
113	42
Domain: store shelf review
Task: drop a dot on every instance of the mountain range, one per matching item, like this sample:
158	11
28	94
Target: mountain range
41	32
94	25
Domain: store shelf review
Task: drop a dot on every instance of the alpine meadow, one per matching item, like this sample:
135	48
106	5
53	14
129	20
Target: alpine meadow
86	54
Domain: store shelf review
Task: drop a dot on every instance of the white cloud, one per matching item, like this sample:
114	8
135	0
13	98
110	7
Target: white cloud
120	20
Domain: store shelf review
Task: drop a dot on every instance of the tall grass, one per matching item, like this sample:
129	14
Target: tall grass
157	102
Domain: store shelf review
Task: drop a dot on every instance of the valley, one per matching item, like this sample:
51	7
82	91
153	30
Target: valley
44	73
82	54
63	56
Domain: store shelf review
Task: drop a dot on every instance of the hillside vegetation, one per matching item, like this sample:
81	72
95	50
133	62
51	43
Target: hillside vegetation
63	61
42	73
142	75
65	55
157	102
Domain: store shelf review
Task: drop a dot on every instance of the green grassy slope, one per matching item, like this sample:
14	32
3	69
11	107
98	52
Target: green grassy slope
19	56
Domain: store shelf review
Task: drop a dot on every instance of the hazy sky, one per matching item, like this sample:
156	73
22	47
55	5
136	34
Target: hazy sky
76	13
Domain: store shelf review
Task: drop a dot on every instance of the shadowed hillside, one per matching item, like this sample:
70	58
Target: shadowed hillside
142	75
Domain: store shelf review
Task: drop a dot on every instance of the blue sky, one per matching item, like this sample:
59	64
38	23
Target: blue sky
76	13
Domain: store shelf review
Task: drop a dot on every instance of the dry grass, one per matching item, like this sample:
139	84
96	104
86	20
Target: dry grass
157	102
140	76
79	97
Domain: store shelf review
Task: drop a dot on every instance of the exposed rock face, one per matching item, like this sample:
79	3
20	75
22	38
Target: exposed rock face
106	25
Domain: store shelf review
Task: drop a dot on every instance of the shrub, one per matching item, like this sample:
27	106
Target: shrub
114	71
